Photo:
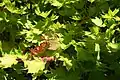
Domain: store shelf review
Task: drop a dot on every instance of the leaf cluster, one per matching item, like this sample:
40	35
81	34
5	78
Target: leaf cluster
87	31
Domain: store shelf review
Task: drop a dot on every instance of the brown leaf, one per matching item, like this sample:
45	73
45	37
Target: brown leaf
54	44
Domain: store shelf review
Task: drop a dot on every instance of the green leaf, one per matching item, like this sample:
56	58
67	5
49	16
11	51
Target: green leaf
7	45
97	48
11	7
41	25
106	16
67	11
34	66
67	62
113	13
95	29
56	3
110	14
54	17
56	26
76	18
62	74
79	4
8	60
114	46
104	6
36	31
45	14
117	18
96	75
3	15
72	75
93	10
42	14
91	1
2	4
0	45
58	74
3	74
83	55
1	19
68	37
97	21
110	31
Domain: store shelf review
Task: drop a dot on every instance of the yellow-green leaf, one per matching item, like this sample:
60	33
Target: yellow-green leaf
67	62
8	60
97	21
34	66
91	1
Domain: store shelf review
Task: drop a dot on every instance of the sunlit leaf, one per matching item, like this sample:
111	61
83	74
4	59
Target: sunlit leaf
110	31
2	4
56	3
8	60
114	45
35	66
117	18
106	16
113	13
91	1
95	29
11	7
97	48
97	21
76	18
67	62
43	14
54	17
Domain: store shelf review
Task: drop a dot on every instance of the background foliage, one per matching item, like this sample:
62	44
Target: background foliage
88	32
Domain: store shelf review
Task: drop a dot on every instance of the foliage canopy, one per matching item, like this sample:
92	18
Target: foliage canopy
83	35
